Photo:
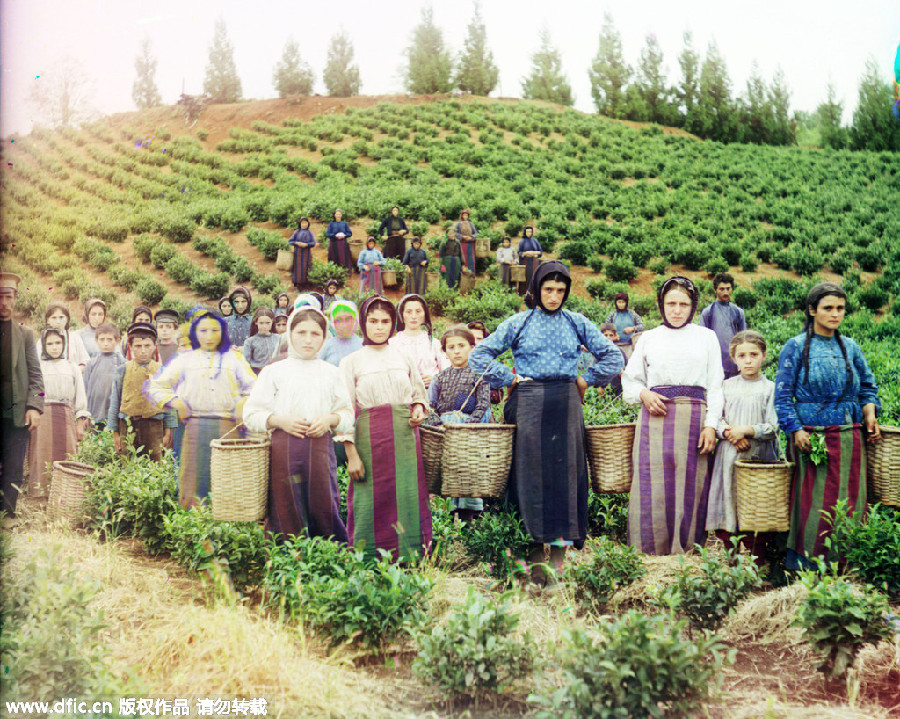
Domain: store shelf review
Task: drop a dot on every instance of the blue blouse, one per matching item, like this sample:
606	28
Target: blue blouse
306	236
548	348
335	227
238	328
528	244
370	257
818	403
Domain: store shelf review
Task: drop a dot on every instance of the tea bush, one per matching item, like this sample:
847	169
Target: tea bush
870	547
608	516
498	539
609	566
636	666
477	650
321	272
839	618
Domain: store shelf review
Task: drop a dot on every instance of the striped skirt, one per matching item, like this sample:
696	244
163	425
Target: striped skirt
815	489
194	454
503	273
670	481
302	261
339	253
52	441
468	253
388	508
416	281
451	270
531	264
549	479
394	246
303	491
370	280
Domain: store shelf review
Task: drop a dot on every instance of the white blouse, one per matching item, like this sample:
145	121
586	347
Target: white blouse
63	383
387	376
300	388
689	355
425	351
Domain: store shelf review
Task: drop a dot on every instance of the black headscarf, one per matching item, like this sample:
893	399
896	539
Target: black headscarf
300	224
376	302
685	284
243	291
548	271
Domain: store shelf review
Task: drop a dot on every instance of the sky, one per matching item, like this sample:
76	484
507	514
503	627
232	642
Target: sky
813	41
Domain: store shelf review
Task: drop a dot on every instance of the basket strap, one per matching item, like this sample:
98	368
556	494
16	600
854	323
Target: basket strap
237	426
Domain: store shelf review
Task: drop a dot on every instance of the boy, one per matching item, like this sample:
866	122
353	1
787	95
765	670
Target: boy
724	318
167	321
152	428
100	372
608	329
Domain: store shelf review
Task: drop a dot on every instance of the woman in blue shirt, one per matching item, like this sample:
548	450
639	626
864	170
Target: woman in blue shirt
824	385
338	233
549	482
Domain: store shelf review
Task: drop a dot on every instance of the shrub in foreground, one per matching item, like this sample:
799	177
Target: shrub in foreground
871	547
609	566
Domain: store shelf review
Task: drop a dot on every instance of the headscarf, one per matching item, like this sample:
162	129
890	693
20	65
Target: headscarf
540	276
226	298
621	296
465	212
278	297
59	333
51	309
343	307
332	283
414	240
300	224
245	293
334	215
529	244
201	314
291	350
685	284
308	299
370	240
88	304
402	304
376	302
141	310
814	297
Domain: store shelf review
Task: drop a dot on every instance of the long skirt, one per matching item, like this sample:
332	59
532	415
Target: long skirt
303	491
388	508
370	280
416	280
302	261
549	478
148	436
670	483
339	253
503	273
815	489
194	454
52	441
451	271
468	252
394	246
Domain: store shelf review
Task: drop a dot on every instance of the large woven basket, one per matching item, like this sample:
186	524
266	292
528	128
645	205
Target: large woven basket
67	490
883	462
432	441
284	260
389	278
517	273
239	478
476	459
482	247
609	456
763	495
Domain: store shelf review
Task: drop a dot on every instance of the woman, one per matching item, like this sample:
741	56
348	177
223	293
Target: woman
415	261
302	400
824	385
549	483
414	338
506	258
369	264
388	498
337	233
302	241
57	315
629	324
94	316
392	230
675	374
451	254
529	252
465	233
226	309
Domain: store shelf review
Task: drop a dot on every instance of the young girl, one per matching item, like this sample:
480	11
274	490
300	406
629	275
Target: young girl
749	426
207	387
94	316
282	303
225	307
57	316
262	343
388	498
416	262
303	400
65	411
280	324
506	258
369	263
302	241
414	338
344	319
330	295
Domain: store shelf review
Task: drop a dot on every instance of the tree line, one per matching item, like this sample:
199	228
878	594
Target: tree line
702	100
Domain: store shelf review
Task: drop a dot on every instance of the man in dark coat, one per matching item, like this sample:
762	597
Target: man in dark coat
21	392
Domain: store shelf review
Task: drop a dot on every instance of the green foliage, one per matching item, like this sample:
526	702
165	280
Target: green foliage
341	76
839	618
292	76
870	547
602	408
636	666
818	451
477	651
707	594
430	62
546	80
476	73
608	516
321	272
490	302
143	246
498	539
221	83
144	91
161	253
608	567
150	291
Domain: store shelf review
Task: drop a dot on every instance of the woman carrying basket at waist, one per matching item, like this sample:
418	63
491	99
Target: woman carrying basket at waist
549	482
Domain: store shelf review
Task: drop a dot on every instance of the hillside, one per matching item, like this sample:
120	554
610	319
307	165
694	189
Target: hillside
630	202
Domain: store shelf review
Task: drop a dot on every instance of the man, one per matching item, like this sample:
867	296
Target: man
21	392
724	318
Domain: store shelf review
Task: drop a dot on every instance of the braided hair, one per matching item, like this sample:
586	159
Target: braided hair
819	291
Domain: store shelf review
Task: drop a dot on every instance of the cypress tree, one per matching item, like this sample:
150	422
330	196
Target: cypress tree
546	81
144	91
609	73
222	83
292	76
476	72
341	76
430	62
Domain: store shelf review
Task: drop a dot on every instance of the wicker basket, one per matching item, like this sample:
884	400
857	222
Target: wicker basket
476	459
432	441
517	273
284	261
883	463
389	278
763	495
609	456
482	247
356	246
239	478
67	490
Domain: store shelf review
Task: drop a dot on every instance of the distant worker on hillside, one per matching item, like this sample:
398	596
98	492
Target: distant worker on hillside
506	258
628	323
466	232
392	231
724	318
451	254
416	262
529	252
302	241
338	233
